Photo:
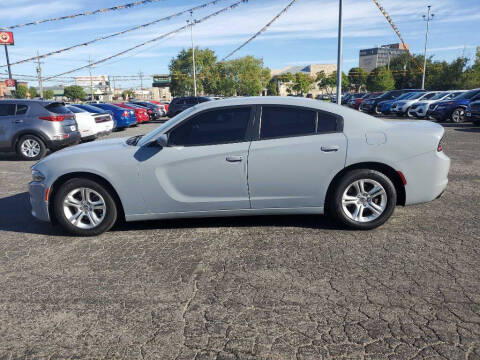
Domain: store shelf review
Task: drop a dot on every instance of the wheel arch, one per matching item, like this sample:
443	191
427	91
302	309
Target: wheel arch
387	170
25	132
83	175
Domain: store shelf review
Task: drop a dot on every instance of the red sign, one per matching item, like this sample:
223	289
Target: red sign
10	83
6	38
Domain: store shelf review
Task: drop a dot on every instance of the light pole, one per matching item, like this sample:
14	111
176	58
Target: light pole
426	18
340	51
192	23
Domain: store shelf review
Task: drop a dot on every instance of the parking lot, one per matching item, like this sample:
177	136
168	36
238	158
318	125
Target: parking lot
277	287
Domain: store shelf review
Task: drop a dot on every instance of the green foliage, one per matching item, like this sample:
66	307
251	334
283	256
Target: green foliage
127	94
329	83
358	78
21	91
74	92
48	94
33	92
380	79
302	83
272	87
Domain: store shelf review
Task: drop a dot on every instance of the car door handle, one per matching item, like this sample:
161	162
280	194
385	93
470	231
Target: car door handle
331	148
234	158
18	121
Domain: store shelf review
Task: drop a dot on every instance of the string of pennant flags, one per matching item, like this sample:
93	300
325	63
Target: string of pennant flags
262	30
166	18
230	7
86	13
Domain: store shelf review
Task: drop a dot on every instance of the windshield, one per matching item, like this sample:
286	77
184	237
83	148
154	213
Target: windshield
430	96
440	96
415	95
75	109
405	96
468	94
91	108
153	134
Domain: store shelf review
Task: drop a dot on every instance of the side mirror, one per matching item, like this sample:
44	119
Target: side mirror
162	141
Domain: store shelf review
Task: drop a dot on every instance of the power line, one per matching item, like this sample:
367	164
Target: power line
166	18
262	30
230	7
86	13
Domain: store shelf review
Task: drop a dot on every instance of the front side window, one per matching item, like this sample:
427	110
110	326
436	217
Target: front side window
221	126
279	121
7	109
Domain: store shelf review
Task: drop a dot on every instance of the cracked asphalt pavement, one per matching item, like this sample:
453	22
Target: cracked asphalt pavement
277	287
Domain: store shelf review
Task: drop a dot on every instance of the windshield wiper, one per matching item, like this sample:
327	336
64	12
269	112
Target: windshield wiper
134	140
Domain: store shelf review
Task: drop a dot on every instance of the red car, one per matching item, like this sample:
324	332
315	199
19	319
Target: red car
359	101
164	103
140	114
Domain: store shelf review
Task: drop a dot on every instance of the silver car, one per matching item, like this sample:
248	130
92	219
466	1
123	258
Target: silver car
246	156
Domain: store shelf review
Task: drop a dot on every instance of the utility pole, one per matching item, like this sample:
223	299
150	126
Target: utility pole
91	80
8	62
192	23
426	18
340	52
39	73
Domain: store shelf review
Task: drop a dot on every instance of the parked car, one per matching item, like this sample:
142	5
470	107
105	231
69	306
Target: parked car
294	151
345	98
122	117
140	112
385	107
370	106
420	109
353	99
324	97
152	111
101	124
164	103
453	109
96	110
402	107
179	104
31	127
473	112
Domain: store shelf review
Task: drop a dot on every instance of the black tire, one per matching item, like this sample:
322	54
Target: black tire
40	151
335	206
458	115
110	215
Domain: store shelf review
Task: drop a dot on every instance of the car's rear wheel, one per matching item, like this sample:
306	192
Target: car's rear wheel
377	110
31	147
363	199
84	207
458	115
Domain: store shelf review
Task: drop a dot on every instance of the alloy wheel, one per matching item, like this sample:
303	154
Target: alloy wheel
458	115
30	148
84	208
364	200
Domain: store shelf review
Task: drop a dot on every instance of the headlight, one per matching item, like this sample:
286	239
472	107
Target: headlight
37	176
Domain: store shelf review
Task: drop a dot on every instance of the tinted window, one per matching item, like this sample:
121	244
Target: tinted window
201	100
284	121
212	127
58	108
327	123
21	109
7	109
75	109
191	101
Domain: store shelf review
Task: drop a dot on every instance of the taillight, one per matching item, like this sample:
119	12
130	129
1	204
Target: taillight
125	113
149	111
52	118
440	146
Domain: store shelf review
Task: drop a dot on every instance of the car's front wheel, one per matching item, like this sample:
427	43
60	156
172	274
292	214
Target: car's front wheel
84	207
458	115
30	147
363	199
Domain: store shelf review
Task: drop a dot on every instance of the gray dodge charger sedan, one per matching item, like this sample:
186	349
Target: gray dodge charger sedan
246	156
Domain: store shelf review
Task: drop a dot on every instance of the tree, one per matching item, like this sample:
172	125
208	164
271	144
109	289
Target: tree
380	79
74	92
248	75
127	94
358	78
48	94
329	83
33	92
21	91
303	83
272	87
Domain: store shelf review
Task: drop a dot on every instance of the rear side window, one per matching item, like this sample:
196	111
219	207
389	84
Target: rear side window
327	123
7	109
57	108
21	109
284	121
213	127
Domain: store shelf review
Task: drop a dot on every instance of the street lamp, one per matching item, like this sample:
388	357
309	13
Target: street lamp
340	51
192	23
426	18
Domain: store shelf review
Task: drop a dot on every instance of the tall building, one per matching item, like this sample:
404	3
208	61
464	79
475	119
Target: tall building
380	56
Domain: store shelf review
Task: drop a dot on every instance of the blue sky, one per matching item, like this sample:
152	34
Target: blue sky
305	34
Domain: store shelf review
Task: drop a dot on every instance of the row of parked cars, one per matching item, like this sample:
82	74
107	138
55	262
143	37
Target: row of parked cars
32	127
454	105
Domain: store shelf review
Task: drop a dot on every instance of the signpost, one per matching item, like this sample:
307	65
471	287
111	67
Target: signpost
6	38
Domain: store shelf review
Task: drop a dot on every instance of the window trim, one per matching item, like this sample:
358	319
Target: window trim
248	132
259	118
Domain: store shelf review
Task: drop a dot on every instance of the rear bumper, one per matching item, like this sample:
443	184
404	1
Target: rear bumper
73	138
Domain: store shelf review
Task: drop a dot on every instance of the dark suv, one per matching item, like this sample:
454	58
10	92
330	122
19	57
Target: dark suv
30	127
179	104
371	105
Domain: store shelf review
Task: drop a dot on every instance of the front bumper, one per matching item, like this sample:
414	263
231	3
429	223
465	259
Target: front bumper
419	111
368	108
37	191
